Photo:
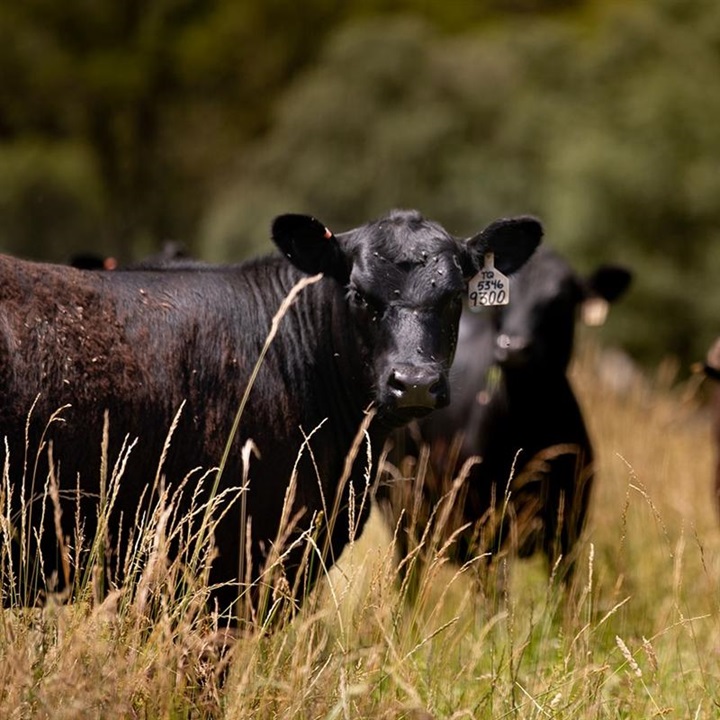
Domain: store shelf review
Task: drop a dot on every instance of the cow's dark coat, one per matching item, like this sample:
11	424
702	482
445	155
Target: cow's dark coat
515	412
378	330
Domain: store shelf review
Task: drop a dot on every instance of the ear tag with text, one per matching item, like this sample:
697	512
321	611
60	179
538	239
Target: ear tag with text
489	287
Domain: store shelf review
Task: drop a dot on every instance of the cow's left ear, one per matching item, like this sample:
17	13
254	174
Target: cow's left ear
309	245
609	282
511	240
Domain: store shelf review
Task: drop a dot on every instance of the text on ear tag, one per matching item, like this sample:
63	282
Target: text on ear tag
489	287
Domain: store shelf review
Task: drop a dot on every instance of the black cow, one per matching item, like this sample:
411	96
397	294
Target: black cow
515	420
92	261
711	368
360	352
171	252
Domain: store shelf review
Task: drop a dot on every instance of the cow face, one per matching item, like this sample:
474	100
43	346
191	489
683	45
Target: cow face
537	327
404	279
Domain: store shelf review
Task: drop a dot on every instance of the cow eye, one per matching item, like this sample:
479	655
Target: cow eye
365	302
356	297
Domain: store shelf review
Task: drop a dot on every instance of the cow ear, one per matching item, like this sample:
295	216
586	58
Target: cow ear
511	240
609	282
310	246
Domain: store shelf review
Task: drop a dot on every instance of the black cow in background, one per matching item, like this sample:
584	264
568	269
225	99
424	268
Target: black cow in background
514	419
361	351
171	251
711	368
92	261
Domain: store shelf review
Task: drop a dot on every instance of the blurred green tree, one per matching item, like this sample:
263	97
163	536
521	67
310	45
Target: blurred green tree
151	94
634	175
154	96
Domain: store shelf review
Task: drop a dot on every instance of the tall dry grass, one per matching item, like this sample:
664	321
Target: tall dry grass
637	636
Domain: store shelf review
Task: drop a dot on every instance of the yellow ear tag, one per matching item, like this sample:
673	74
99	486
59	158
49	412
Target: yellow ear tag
489	287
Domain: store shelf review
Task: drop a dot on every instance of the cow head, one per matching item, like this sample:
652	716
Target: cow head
404	279
537	327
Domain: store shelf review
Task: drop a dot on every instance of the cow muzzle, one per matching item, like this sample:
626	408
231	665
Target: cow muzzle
417	389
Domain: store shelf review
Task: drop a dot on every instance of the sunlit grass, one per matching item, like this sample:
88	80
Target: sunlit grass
637	636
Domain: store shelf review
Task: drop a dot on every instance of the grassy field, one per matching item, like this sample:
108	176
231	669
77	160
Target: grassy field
638	636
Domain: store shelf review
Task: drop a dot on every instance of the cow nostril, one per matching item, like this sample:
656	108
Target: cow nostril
395	382
435	388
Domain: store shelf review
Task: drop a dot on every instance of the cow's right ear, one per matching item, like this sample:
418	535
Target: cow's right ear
310	246
511	240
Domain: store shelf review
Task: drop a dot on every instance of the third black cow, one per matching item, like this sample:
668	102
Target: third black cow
711	368
361	351
514	420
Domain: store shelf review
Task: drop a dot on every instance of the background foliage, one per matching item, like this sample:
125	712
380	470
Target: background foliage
124	125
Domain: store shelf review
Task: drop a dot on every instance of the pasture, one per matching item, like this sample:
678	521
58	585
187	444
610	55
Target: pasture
637	636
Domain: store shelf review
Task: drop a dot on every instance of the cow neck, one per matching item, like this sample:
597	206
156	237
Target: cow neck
348	383
338	378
